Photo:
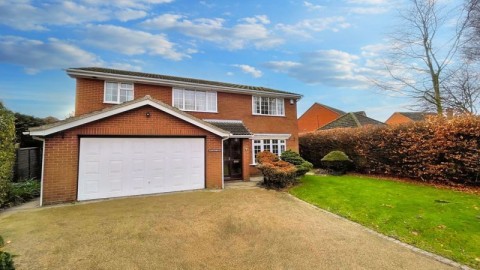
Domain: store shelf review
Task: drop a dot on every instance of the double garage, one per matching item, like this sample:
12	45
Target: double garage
116	167
139	147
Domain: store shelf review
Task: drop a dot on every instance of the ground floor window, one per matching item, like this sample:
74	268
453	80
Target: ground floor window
273	145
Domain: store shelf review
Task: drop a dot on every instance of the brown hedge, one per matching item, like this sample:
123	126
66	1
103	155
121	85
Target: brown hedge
436	150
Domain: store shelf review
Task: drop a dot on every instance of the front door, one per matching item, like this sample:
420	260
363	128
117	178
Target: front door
232	159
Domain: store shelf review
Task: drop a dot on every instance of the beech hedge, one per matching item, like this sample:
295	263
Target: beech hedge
435	150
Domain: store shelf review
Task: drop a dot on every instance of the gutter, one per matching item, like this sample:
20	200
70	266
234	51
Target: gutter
223	163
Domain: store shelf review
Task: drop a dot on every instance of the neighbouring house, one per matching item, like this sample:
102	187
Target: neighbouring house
406	117
137	133
352	120
317	116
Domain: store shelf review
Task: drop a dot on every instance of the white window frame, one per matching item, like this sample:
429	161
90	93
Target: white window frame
119	84
261	143
276	106
195	100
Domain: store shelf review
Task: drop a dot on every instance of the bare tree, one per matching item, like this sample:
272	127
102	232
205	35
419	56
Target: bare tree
472	44
462	91
422	50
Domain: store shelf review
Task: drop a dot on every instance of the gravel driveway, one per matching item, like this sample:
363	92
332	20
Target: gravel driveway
233	228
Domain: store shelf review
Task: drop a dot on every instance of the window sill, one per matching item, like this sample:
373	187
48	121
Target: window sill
268	115
198	111
112	102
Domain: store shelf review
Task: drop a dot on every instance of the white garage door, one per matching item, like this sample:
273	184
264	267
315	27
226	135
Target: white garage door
114	167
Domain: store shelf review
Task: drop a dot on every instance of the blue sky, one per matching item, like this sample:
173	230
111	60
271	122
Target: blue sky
325	50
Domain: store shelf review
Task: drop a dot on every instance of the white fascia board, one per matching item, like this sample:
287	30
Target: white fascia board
273	136
195	86
241	136
106	114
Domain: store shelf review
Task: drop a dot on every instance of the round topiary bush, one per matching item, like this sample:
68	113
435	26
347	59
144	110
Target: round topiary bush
337	162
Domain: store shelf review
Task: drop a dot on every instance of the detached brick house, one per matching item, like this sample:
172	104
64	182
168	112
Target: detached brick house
407	117
317	116
352	120
138	133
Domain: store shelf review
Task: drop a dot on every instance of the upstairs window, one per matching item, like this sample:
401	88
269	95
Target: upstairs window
118	92
195	100
268	106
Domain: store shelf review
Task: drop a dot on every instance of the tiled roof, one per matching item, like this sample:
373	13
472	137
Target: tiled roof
351	120
178	79
340	112
236	127
125	104
417	116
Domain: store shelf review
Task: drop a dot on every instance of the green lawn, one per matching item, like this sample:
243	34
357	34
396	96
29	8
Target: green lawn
441	221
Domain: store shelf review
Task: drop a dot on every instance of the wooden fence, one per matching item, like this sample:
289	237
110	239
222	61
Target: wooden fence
28	164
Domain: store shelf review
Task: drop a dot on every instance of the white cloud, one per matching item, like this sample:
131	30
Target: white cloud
131	42
130	14
367	7
283	66
250	31
39	15
263	19
329	67
368	2
304	28
368	10
36	55
310	6
143	4
250	70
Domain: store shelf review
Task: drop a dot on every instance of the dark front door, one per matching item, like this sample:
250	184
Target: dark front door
232	159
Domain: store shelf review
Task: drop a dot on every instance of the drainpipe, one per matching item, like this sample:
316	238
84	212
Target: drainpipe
223	163
43	167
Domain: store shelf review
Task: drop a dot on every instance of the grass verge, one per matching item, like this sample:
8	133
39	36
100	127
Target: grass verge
444	222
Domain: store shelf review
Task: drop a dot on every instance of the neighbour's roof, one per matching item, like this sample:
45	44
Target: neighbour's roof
236	127
340	112
126	106
417	116
174	79
351	120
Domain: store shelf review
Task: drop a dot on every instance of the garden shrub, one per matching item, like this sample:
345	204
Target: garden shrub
7	151
6	259
23	191
337	162
266	156
436	150
276	173
301	164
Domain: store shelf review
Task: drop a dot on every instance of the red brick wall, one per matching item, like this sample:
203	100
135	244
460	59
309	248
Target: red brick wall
315	117
230	106
61	150
397	118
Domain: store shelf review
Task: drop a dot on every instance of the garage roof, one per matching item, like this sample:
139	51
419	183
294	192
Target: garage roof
126	106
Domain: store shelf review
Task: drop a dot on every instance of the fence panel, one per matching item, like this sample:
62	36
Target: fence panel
28	163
